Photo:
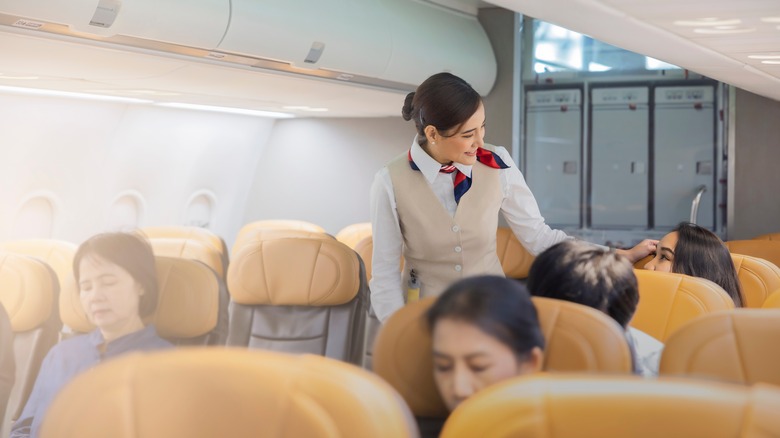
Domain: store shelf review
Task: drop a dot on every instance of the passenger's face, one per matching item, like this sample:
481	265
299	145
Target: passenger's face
460	146
466	359
109	295
664	254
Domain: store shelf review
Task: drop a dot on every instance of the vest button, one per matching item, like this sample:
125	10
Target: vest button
458	268
455	228
458	249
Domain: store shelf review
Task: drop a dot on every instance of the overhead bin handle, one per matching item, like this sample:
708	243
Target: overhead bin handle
695	204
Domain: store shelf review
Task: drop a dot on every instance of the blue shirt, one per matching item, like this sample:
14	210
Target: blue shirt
71	357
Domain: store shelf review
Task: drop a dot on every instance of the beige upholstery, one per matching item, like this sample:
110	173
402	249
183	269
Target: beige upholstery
190	233
768	250
352	234
773	301
302	295
667	301
227	393
578	338
188	305
515	259
254	235
737	345
188	249
758	277
247	231
576	406
29	291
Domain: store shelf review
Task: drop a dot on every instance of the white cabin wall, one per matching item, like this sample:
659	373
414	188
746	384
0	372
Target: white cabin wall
83	154
321	170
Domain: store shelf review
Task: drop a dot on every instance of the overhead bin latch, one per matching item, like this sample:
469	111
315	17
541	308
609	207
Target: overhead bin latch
105	13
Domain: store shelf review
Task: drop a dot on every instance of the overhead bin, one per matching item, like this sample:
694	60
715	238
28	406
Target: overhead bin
192	23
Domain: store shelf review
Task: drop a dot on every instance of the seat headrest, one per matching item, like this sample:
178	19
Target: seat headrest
768	250
578	338
252	235
187	233
28	290
668	300
188	303
515	259
352	234
58	254
737	345
569	406
294	272
188	249
227	392
758	278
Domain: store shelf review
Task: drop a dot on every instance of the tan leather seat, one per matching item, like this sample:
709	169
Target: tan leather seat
29	291
738	346
253	235
773	301
758	277
352	234
560	406
578	338
211	392
190	233
515	259
301	295
768	236
188	305
667	301
768	250
274	225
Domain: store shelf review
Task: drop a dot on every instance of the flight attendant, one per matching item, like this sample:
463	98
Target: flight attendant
437	204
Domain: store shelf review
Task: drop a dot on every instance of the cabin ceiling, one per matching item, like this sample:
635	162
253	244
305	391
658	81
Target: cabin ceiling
734	42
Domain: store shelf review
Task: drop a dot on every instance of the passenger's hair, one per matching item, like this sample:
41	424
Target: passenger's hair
444	101
701	253
586	274
500	307
131	252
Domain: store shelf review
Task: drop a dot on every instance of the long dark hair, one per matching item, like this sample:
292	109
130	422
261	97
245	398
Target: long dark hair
131	252
500	307
586	274
444	101
700	253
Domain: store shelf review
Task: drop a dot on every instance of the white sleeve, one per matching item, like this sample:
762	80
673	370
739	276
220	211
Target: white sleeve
386	289
522	212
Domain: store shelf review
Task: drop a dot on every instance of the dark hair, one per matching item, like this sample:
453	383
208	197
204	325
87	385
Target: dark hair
586	274
500	307
700	253
130	251
444	101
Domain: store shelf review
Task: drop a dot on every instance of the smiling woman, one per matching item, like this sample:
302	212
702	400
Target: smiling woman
117	281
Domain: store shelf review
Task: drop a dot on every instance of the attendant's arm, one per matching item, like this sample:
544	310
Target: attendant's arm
385	285
522	212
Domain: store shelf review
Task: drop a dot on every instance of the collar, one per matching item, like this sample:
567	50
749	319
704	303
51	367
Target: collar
430	167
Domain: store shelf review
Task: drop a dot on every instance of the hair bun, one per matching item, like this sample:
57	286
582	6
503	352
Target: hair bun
408	109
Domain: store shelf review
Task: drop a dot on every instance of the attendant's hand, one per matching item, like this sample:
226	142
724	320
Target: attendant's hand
640	250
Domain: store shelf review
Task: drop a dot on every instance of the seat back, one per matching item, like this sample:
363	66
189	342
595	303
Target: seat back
187	310
299	295
58	254
29	291
352	234
253	235
190	233
667	301
578	338
768	236
772	301
768	250
275	225
545	406
227	393
738	345
515	259
758	277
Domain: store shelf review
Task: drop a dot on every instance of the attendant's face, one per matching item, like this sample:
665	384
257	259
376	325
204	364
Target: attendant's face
460	146
109	294
466	359
664	254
